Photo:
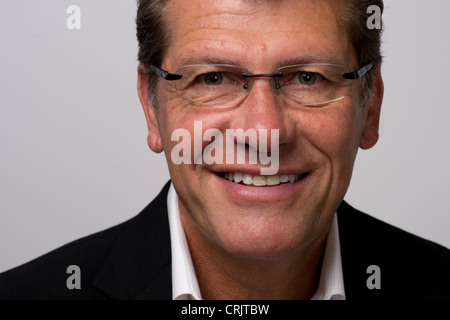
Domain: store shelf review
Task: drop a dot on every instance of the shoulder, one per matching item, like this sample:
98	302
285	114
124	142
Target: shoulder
106	257
46	276
409	266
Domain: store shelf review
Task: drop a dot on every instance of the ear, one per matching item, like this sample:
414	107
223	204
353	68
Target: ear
370	134
154	137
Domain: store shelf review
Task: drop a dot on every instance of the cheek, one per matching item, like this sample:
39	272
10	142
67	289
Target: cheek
334	132
186	125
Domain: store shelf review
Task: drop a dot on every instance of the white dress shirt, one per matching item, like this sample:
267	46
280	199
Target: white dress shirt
184	280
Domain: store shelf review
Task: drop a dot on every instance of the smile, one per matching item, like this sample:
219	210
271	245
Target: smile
260	181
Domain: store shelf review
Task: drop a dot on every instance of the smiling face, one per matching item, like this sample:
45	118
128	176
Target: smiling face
317	145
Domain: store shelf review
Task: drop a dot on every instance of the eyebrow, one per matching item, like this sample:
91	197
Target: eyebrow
207	60
319	57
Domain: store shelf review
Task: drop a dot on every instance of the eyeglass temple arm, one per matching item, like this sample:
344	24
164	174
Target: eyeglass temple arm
164	74
359	73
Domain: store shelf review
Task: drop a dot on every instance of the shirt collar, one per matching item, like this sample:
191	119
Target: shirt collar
331	283
184	280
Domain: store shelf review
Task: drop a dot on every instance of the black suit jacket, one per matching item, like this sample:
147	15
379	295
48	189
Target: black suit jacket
133	261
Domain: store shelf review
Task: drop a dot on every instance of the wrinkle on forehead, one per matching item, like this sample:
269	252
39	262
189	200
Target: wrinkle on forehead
226	10
248	26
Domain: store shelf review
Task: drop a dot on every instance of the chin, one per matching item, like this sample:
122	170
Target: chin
261	253
260	243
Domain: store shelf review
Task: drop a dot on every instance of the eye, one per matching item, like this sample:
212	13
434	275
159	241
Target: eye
307	78
213	78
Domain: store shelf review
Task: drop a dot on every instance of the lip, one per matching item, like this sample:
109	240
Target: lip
244	193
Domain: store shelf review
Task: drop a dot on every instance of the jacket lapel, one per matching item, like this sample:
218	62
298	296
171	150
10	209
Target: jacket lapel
361	239
139	264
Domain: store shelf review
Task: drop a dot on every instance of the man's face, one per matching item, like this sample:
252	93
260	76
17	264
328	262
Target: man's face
320	143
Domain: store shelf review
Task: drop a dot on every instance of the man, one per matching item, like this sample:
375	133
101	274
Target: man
304	77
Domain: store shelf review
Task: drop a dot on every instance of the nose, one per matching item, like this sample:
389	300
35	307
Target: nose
263	75
264	108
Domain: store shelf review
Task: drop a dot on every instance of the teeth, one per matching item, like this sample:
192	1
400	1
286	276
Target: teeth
273	180
260	181
247	179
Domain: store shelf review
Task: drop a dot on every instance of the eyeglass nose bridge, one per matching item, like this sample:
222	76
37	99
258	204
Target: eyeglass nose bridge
262	75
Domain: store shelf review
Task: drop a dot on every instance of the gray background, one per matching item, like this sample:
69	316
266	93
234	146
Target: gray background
73	152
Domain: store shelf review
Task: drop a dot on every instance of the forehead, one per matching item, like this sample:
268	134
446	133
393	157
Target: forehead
256	33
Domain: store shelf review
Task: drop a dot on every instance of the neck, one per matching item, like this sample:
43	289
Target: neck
224	276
